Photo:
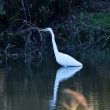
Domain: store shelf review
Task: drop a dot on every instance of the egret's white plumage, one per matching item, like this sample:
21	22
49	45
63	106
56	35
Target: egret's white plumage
61	58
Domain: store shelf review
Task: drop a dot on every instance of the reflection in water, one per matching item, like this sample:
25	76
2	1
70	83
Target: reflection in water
61	75
24	86
76	99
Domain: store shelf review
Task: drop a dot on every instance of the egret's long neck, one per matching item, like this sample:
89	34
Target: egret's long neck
54	44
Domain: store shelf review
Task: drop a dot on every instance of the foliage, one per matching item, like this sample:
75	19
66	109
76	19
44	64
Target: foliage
97	19
82	26
101	20
2	10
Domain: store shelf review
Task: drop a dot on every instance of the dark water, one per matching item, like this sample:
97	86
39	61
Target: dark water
25	86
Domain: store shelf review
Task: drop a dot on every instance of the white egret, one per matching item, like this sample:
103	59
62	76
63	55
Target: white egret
61	58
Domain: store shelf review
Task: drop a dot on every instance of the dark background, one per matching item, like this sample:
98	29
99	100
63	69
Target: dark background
77	24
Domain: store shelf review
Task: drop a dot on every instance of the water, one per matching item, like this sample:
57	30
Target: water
25	86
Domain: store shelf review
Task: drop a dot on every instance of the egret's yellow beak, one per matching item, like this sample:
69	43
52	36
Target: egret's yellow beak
43	30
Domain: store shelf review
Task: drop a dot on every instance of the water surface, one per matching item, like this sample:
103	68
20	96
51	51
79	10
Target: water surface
25	86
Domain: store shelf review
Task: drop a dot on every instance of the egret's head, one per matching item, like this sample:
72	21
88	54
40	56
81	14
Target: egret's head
46	29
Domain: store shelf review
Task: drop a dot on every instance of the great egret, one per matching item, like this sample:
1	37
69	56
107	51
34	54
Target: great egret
61	58
62	74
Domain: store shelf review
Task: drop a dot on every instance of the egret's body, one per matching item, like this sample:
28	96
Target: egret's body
61	58
66	60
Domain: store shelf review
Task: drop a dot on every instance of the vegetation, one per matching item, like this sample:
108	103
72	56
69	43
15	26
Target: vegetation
97	19
77	24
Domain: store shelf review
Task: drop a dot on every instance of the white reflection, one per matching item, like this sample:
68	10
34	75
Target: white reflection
62	75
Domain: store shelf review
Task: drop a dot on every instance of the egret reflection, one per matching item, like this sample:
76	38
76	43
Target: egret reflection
62	74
